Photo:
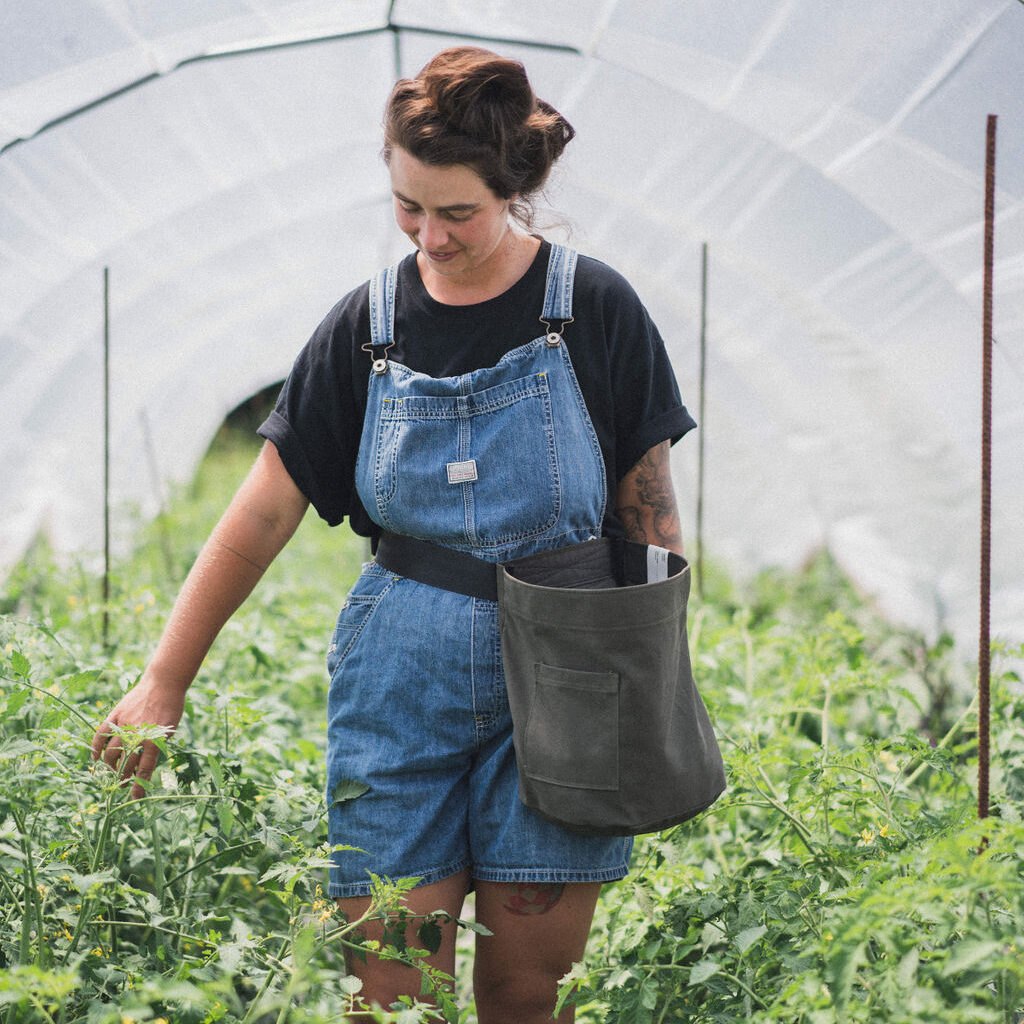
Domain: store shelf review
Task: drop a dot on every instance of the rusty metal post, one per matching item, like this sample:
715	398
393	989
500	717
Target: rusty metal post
984	641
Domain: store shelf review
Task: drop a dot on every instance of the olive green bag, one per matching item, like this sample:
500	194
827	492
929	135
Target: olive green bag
611	735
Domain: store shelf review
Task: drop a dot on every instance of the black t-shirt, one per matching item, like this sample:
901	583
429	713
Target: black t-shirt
616	351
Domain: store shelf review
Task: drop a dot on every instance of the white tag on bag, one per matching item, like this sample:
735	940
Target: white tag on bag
657	564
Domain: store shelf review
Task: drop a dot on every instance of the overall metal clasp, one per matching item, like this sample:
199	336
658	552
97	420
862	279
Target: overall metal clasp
380	363
554	338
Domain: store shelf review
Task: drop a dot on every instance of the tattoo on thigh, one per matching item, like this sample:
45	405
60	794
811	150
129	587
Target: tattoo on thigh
525	898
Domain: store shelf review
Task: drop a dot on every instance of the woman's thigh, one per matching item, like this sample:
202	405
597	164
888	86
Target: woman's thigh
385	980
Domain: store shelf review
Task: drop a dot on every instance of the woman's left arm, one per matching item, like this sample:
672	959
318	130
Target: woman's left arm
646	501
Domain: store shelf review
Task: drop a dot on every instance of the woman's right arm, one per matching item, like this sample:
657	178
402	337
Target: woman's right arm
258	523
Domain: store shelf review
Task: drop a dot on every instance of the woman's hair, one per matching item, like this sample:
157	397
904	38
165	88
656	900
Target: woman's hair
470	106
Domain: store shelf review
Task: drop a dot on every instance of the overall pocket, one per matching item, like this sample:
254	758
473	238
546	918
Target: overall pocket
365	595
478	469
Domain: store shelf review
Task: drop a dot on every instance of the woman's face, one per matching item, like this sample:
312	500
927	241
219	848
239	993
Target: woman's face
455	221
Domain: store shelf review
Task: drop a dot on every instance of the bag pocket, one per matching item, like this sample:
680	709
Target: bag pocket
572	730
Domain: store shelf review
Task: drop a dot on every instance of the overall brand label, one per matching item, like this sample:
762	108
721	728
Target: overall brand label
462	472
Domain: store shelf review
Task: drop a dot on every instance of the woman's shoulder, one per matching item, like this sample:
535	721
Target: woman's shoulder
600	285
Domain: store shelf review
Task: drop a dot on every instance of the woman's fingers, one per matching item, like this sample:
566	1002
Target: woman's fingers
101	738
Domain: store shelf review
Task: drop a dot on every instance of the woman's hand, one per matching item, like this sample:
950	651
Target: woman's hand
148	704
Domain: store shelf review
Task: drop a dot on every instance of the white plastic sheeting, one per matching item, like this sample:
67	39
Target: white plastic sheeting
831	156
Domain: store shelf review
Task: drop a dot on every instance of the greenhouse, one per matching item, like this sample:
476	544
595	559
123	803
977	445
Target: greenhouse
797	191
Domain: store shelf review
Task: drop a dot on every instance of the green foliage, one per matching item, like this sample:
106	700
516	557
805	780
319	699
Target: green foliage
203	900
842	878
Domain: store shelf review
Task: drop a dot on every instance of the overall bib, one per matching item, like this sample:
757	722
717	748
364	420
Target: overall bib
500	462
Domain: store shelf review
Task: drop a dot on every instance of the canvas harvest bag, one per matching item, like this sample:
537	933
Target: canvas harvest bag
611	735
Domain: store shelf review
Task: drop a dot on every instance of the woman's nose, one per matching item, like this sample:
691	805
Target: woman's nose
433	234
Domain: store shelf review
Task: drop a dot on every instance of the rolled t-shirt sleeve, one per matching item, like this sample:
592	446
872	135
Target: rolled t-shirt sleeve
315	425
646	405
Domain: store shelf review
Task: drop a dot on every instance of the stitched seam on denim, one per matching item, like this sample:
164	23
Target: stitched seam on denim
498	552
515	355
451	407
549	437
507	875
588	423
374	603
385	462
341	890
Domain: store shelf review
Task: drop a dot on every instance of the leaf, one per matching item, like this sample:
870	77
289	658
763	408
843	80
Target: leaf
844	967
430	935
15	702
302	949
350	984
906	973
704	970
348	789
748	937
649	992
17	747
970	954
21	665
225	818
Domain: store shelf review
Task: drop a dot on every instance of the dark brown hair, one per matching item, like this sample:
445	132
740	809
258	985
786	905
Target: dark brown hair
470	106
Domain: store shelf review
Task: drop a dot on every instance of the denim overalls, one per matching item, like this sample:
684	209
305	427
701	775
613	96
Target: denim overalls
500	462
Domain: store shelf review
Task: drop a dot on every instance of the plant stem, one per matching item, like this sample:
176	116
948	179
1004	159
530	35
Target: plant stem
776	801
942	744
33	902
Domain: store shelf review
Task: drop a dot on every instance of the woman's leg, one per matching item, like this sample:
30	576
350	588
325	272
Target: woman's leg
385	980
540	930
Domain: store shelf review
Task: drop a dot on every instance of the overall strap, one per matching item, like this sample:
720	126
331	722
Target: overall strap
382	316
558	290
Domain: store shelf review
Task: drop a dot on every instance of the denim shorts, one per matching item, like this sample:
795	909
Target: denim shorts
418	712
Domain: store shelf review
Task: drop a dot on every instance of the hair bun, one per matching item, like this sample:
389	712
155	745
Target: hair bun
470	106
490	95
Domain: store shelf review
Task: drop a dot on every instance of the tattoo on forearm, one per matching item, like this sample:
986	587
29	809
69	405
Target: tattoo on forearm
655	520
526	898
630	517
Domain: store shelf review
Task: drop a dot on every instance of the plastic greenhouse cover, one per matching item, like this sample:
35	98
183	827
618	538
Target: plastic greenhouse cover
222	160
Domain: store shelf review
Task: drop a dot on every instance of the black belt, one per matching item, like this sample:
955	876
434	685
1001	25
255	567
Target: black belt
438	566
615	562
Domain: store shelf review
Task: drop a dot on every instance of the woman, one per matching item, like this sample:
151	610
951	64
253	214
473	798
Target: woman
495	396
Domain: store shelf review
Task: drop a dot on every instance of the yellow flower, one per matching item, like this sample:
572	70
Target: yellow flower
866	836
884	830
